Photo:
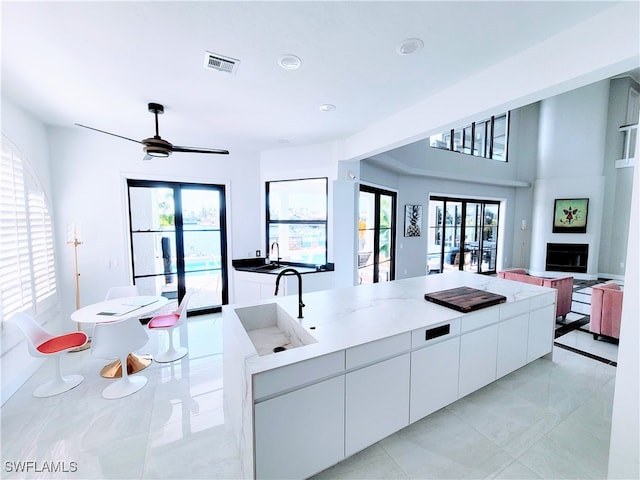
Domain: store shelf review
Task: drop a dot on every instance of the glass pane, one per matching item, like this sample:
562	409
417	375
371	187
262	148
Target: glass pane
154	253
480	139
202	250
441	140
466	143
298	199
500	138
434	233
384	255
386	211
207	287
151	209
202	240
472	236
458	138
452	232
490	238
300	243
200	209
366	222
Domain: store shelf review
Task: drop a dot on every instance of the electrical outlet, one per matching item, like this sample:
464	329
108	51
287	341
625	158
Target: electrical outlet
258	253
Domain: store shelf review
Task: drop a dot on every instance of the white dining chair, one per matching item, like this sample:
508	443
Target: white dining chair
119	292
41	343
169	322
117	340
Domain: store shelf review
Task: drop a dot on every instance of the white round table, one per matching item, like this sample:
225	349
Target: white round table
115	310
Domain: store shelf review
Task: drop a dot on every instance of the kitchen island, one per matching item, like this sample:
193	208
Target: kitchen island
365	362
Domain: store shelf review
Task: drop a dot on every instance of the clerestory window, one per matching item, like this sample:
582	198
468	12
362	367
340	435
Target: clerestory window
486	138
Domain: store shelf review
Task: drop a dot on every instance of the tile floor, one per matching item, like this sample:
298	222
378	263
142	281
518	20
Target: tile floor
550	419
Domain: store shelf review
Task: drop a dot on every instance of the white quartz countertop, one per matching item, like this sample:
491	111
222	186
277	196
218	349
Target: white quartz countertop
346	317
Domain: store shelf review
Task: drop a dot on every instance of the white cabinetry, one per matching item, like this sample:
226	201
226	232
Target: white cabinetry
541	331
434	377
300	433
377	395
512	344
478	354
377	402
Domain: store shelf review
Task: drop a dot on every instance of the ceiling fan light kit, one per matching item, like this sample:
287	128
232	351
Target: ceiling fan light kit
156	146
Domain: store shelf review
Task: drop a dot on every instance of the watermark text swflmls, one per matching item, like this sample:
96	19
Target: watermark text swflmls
32	466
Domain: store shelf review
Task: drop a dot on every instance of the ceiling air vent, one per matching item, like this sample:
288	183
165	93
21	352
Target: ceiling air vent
221	63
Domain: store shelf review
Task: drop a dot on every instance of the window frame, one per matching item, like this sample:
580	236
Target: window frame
269	222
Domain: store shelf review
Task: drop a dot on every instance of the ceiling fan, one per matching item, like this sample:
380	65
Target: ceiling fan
156	146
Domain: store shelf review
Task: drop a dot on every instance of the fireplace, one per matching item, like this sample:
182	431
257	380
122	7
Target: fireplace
567	257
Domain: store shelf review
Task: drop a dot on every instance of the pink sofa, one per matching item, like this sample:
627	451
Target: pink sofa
564	286
606	310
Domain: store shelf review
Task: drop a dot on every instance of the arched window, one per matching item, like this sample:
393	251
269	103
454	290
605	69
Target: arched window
27	267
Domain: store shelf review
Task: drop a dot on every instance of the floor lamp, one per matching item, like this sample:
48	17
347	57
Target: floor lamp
75	242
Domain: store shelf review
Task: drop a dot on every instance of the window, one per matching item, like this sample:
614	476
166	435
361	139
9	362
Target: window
179	241
376	235
486	138
297	220
27	268
463	235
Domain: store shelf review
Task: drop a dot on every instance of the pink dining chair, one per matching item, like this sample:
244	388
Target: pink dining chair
41	343
169	322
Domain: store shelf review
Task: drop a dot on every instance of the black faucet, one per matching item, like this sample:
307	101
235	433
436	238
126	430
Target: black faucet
296	273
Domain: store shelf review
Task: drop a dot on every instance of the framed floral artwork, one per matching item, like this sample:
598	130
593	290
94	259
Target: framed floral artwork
412	220
570	215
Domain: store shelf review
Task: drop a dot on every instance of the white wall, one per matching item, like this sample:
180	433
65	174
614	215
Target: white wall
624	448
89	172
570	163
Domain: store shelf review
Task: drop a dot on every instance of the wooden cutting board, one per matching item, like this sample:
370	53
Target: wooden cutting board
465	299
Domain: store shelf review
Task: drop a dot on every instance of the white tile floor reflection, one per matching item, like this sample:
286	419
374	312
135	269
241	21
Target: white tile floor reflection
550	419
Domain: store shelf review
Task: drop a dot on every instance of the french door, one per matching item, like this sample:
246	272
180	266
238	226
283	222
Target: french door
178	241
376	235
463	235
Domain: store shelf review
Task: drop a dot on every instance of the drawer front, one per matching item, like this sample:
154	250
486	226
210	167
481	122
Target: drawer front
543	300
479	319
435	333
510	310
297	374
380	349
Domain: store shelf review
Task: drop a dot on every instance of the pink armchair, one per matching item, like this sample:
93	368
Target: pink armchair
563	285
606	310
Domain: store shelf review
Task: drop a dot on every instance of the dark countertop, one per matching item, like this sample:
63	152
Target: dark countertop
259	265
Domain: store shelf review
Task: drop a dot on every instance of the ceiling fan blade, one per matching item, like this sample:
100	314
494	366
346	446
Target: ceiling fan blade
177	148
109	133
147	157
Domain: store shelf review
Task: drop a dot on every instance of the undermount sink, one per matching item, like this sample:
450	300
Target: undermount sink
271	329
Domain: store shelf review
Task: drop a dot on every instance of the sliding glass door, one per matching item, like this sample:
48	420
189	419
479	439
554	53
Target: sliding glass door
463	235
376	235
178	241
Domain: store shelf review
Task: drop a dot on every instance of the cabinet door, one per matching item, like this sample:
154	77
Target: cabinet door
377	402
478	353
541	332
434	378
512	344
300	433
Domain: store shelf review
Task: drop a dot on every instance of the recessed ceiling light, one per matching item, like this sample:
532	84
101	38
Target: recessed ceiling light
409	46
289	62
327	107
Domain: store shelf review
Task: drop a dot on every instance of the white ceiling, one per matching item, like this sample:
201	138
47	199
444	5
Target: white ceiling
100	63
